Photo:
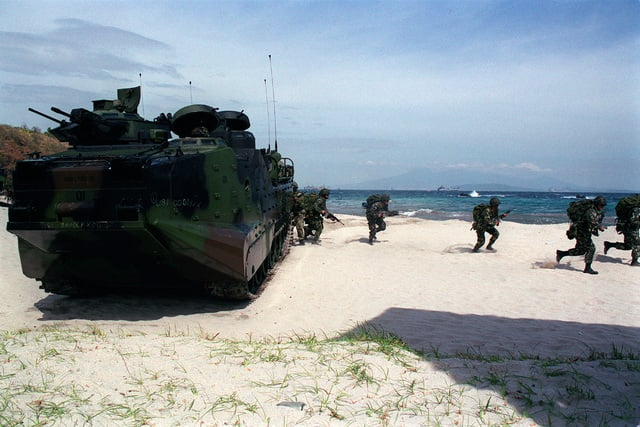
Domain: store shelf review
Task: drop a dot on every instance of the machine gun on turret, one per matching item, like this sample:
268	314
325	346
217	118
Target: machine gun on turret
46	116
85	127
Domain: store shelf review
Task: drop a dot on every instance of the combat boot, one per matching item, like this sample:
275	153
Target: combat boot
607	246
588	269
634	261
560	254
490	247
475	248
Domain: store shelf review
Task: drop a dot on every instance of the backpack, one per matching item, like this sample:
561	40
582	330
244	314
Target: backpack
375	198
624	212
477	212
310	202
577	209
626	205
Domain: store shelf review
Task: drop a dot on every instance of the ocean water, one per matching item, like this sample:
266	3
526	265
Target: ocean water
527	207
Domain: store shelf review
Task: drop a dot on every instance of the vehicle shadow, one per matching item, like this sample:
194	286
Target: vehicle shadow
132	306
548	370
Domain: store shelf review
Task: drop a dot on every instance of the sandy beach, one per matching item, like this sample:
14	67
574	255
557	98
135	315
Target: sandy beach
514	337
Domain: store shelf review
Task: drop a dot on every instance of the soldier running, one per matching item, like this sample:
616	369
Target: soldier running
377	206
485	220
589	223
628	224
315	210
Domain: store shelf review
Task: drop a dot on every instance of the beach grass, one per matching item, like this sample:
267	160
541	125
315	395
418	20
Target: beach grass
74	376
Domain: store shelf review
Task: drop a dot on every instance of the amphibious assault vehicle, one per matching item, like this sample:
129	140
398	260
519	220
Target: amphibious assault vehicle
128	207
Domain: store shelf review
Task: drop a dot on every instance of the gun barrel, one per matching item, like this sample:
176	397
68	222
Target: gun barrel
59	111
45	115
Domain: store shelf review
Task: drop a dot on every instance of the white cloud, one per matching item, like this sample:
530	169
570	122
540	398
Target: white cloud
471	85
531	167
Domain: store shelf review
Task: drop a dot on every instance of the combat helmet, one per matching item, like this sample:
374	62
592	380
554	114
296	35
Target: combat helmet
324	192
600	201
494	201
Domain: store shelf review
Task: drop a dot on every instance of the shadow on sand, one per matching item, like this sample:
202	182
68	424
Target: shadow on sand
132	306
555	372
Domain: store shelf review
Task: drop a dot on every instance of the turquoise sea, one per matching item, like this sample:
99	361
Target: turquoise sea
528	207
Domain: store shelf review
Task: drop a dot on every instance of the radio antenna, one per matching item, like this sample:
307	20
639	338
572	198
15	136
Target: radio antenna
273	95
141	98
190	93
266	96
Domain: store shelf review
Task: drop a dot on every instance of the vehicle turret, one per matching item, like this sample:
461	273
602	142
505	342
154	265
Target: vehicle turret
112	122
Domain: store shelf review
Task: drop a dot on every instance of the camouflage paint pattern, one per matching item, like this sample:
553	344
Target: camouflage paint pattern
206	212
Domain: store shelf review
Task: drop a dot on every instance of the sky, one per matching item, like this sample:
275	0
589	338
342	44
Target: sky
358	90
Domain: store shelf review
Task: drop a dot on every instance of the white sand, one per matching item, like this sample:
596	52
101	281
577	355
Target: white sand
419	281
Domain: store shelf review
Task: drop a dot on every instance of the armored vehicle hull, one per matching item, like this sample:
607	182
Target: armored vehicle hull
210	211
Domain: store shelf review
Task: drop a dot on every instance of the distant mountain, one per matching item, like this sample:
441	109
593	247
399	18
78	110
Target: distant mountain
427	179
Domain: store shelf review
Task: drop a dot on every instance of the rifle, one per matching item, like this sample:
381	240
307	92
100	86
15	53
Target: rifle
332	217
503	215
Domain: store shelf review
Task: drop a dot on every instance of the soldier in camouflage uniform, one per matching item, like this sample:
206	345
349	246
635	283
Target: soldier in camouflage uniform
630	230
315	209
590	224
487	222
297	212
375	216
